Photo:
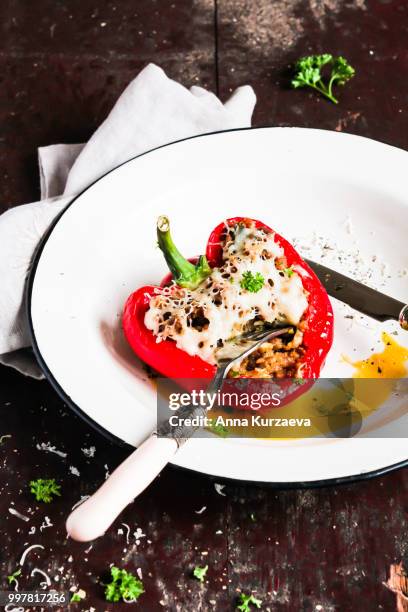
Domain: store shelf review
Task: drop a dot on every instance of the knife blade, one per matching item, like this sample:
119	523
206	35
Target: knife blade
360	297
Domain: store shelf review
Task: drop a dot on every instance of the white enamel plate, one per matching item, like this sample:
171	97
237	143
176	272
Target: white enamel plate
342	198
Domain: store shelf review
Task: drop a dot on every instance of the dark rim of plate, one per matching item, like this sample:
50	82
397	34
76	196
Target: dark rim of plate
107	434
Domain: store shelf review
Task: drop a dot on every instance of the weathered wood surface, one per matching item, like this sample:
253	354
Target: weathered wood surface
63	65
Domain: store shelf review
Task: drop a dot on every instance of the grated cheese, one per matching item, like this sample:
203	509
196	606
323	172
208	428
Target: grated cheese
14	512
219	488
89	452
46	523
47	579
47	447
127	531
27	550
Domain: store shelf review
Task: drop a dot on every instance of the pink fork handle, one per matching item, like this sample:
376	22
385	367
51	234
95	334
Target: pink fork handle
92	518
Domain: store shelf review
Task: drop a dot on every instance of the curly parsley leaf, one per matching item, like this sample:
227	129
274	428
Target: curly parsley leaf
78	596
289	271
309	73
200	572
13	577
44	489
124	586
246	601
75	598
252	282
219	430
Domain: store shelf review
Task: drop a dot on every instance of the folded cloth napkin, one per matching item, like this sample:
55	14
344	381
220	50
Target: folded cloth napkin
152	111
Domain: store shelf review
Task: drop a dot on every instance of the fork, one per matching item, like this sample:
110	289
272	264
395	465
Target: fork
93	517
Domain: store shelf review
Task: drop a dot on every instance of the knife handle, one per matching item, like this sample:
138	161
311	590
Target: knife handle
403	318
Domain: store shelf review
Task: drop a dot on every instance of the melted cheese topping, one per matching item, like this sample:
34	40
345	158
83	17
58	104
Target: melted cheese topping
200	321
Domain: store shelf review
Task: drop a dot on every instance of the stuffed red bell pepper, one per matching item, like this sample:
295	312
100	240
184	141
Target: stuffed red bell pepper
249	276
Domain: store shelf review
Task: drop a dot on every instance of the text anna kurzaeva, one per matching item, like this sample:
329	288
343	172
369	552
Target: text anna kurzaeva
209	402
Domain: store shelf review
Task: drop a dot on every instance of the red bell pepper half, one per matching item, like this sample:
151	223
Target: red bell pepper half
173	362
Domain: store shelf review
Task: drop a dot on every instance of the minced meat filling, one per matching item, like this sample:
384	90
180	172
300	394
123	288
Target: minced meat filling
274	359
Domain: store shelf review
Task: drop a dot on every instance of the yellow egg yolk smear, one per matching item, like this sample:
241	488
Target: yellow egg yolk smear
390	363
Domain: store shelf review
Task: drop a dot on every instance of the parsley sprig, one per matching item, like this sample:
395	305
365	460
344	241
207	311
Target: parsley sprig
252	282
13	577
76	598
246	601
219	430
309	73
44	489
200	572
124	586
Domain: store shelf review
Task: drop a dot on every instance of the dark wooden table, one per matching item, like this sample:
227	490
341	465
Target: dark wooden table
63	66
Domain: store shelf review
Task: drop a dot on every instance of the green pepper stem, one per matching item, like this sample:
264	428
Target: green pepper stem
185	273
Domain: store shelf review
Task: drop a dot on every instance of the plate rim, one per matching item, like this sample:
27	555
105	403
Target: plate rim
28	290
